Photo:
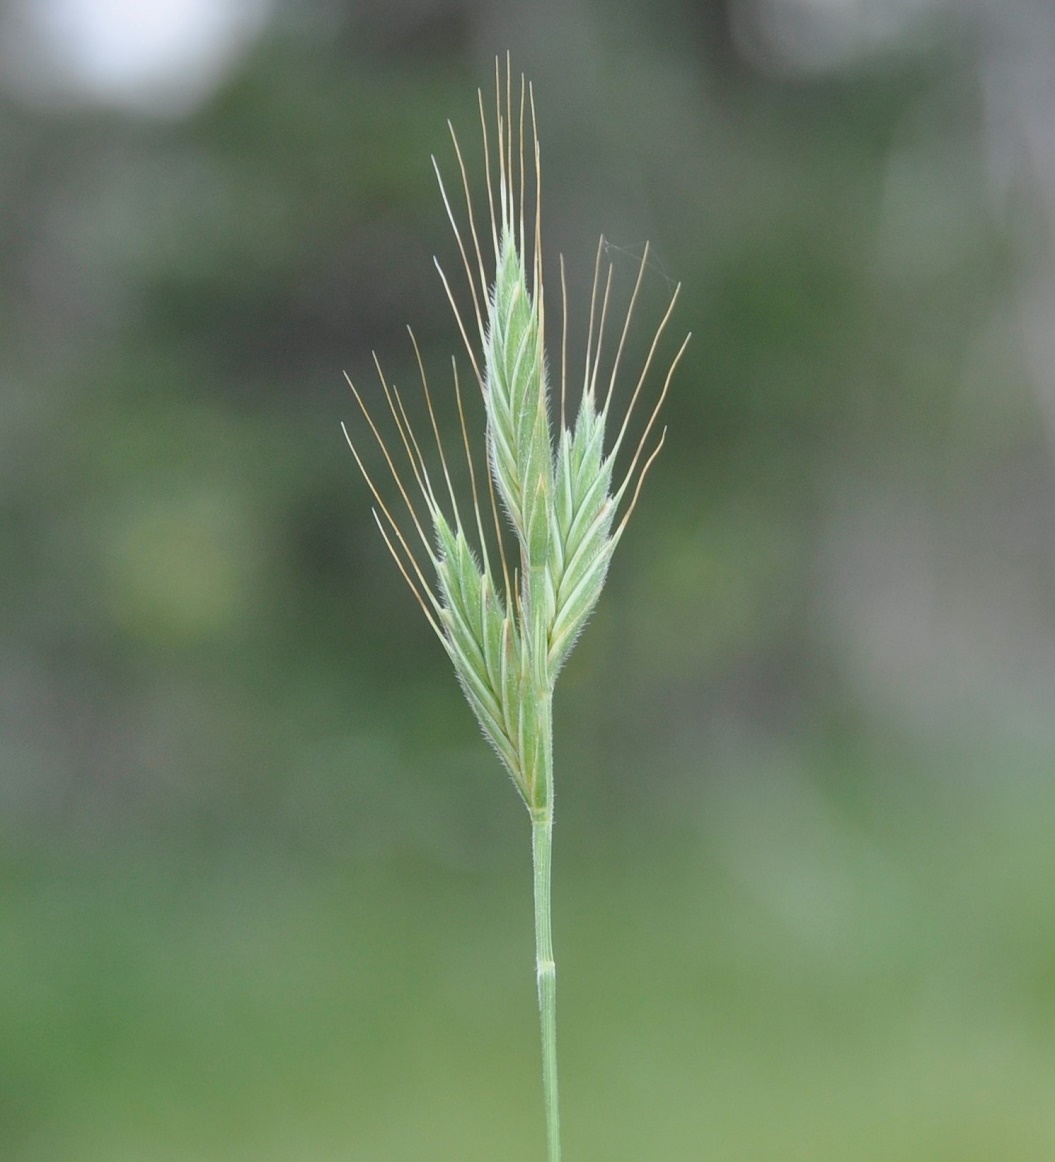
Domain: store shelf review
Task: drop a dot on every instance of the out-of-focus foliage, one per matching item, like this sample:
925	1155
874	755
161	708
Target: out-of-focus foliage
264	888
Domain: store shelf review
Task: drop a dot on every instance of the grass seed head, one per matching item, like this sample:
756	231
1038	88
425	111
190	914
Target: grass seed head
508	635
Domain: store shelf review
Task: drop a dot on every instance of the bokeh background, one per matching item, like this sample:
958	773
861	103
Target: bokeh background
264	892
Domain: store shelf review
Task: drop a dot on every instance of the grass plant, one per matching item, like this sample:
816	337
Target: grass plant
508	627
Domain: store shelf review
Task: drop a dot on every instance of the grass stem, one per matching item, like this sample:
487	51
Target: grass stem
546	969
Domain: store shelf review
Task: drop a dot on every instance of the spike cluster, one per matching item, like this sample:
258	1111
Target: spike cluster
509	638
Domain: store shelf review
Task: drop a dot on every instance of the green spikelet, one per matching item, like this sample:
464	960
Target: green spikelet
482	642
518	435
582	517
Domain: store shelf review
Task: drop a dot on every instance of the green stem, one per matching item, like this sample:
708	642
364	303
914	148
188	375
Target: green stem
546	969
539	685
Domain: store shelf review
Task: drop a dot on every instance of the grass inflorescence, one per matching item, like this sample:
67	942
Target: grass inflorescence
508	627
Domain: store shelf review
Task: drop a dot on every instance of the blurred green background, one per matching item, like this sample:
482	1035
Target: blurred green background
264	892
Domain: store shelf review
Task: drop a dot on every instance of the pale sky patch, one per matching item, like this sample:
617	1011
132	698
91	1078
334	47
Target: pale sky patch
161	57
